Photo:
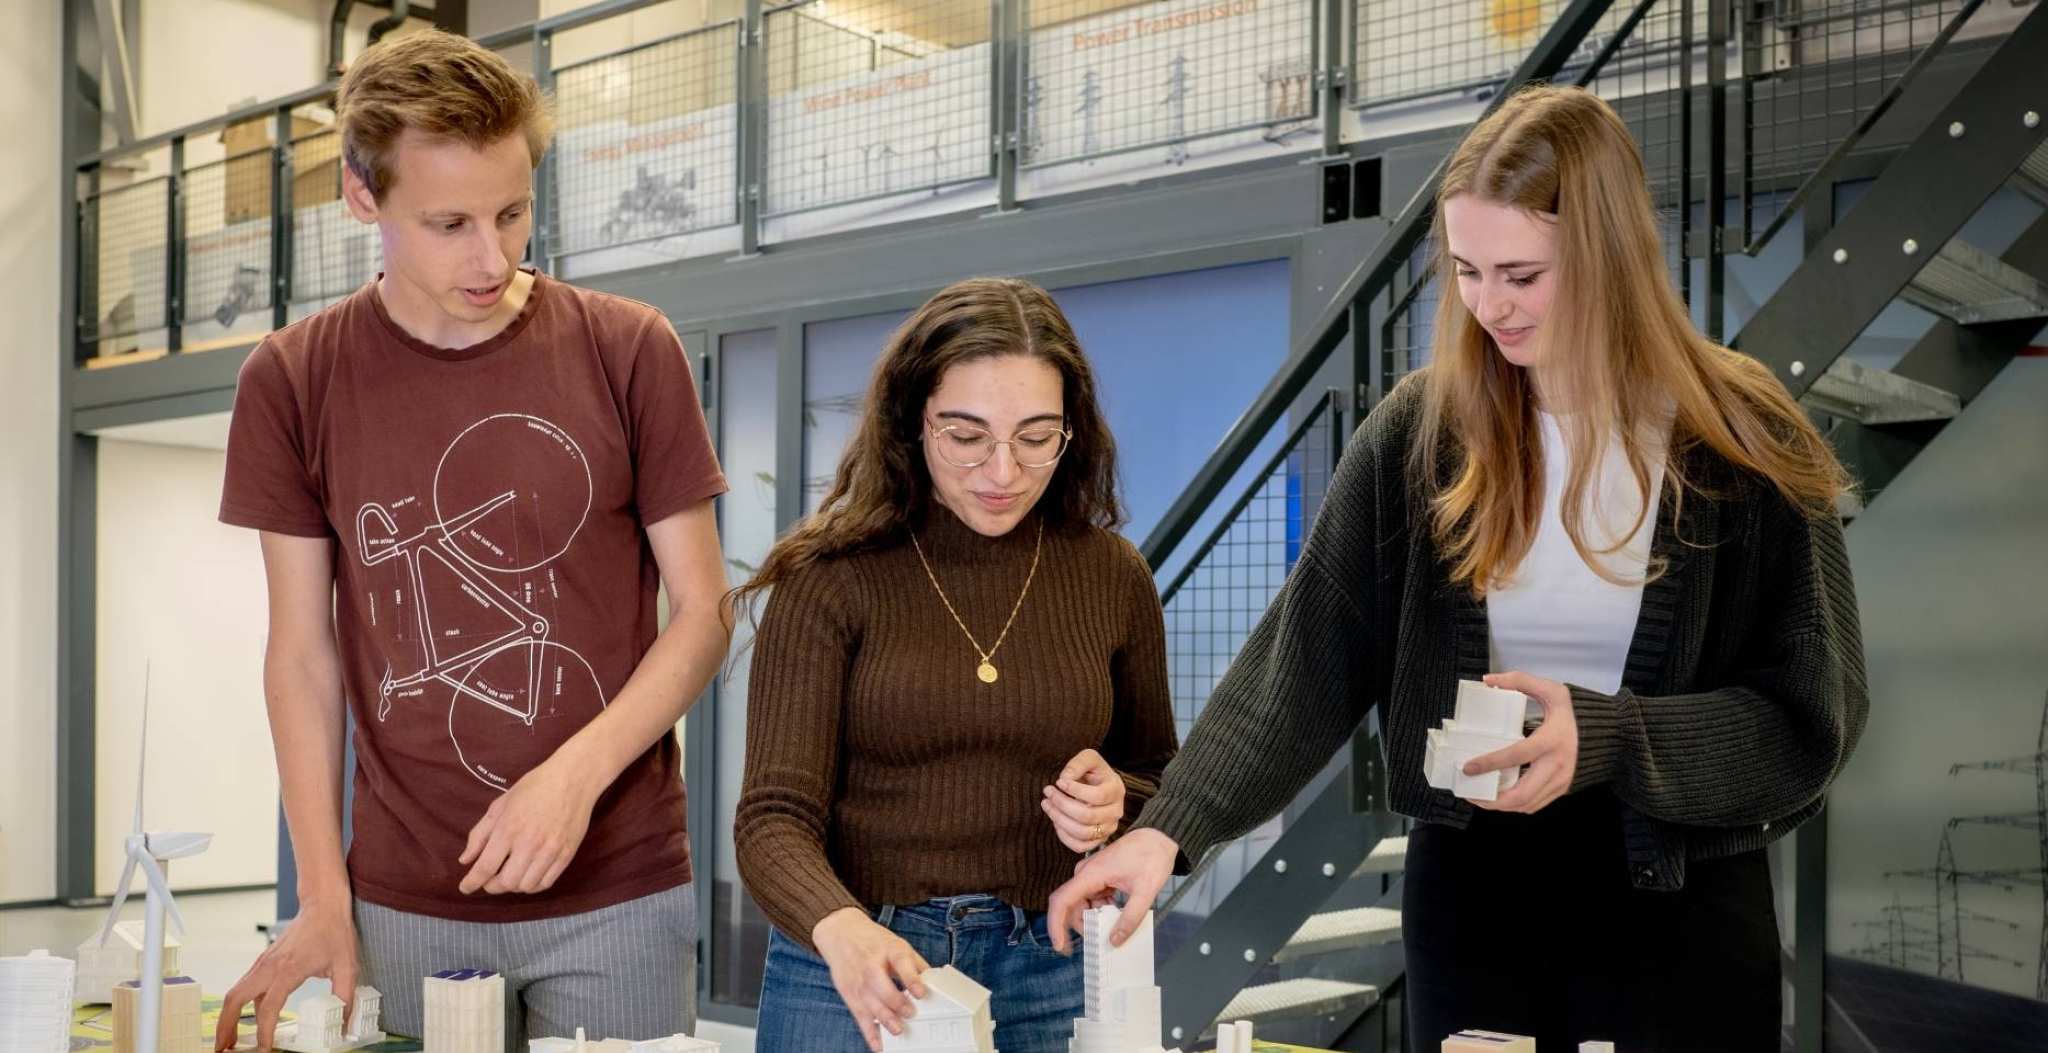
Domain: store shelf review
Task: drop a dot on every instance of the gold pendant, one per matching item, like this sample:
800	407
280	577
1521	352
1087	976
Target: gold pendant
987	672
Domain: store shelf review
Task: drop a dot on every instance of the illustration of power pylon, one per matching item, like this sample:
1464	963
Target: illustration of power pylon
1947	942
1091	104
1176	102
2036	821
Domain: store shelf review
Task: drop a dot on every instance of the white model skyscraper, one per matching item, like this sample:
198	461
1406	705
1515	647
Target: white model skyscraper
465	1011
1121	1000
35	1003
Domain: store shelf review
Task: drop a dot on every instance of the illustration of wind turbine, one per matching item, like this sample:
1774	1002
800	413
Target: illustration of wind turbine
149	852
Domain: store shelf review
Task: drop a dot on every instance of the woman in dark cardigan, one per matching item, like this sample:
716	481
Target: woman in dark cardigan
1583	500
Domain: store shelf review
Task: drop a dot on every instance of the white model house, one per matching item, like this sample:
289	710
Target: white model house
178	1029
35	1003
100	968
1488	1042
1121	1001
1486	719
319	1025
952	1017
465	1012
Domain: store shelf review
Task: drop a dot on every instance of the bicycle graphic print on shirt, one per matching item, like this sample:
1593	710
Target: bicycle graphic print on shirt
469	606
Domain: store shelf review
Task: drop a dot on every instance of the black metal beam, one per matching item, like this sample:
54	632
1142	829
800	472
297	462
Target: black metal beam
281	217
1970	148
1810	934
751	142
789	426
77	488
1006	89
1333	324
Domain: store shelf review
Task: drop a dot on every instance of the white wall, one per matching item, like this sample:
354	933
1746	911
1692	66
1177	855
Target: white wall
29	298
1950	575
182	594
201	58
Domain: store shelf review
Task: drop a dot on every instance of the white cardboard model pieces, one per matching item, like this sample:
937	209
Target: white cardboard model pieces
1121	1001
101	966
35	1003
581	1044
1488	1042
465	1012
319	1025
1487	719
1234	1038
952	1017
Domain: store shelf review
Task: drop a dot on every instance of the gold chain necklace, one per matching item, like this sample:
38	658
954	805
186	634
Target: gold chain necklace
987	670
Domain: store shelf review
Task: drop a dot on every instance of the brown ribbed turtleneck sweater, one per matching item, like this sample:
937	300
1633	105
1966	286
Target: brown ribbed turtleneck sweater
881	770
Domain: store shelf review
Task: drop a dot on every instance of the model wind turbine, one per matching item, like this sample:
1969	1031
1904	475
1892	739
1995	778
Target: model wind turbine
149	851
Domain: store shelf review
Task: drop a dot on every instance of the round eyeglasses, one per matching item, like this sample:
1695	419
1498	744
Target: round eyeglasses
966	446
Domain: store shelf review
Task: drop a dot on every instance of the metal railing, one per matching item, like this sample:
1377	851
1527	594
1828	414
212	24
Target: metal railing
693	141
1212	603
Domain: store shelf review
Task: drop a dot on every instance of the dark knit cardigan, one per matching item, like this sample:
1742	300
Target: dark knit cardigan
1742	696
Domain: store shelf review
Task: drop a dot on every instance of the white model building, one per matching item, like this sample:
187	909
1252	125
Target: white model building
581	1044
1488	1042
953	1017
178	1029
465	1012
101	967
319	1025
1120	999
1234	1037
1487	719
35	1003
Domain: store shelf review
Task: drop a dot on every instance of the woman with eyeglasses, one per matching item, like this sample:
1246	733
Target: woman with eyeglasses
960	686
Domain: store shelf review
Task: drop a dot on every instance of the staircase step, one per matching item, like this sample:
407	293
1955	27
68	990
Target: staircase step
1298	998
1874	396
1390	856
1968	285
1342	930
2033	174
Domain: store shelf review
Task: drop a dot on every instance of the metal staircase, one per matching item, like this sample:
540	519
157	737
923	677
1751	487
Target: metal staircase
1307	942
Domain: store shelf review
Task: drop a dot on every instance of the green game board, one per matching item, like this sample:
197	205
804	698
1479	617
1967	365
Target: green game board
92	1027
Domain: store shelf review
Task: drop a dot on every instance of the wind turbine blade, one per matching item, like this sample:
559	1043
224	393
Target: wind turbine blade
120	898
142	761
162	885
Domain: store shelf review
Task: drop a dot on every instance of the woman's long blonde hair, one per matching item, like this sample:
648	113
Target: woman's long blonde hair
1620	348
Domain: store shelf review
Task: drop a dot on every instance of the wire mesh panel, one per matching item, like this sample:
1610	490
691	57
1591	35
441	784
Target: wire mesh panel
645	146
1643	80
333	254
869	98
1213	604
1815	69
1409	326
226	248
1105	77
1407	50
123	271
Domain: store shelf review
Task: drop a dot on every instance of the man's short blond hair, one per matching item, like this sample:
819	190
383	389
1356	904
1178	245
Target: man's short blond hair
442	85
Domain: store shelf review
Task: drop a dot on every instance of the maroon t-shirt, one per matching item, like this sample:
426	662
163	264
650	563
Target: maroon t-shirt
493	583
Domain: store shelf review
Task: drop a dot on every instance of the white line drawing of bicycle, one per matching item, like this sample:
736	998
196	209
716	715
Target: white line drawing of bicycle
494	649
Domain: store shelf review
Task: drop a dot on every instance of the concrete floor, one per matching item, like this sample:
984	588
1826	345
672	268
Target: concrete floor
221	940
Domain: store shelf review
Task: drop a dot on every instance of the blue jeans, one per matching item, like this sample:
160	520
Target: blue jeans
1035	993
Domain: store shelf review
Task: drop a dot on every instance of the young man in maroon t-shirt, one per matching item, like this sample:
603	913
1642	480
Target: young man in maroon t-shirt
470	481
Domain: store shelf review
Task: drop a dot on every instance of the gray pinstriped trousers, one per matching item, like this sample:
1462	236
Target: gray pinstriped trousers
626	971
